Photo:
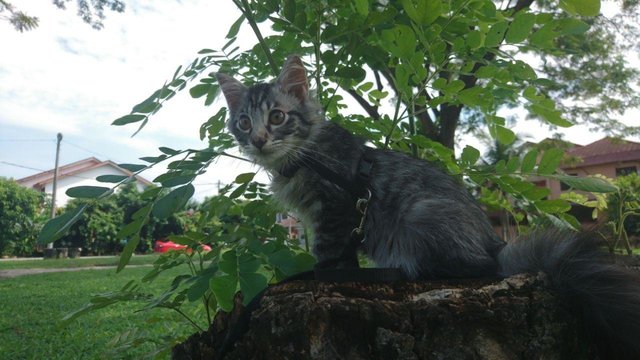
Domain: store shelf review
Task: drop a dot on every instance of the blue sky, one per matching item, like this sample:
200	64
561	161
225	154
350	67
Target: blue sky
66	77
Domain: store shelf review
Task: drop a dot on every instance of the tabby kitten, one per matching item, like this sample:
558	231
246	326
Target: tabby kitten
419	219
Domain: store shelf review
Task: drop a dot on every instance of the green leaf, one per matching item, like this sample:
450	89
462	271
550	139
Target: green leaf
128	119
173	201
143	212
557	221
572	26
471	97
496	34
244	178
352	72
289	10
132	167
546	109
177	180
229	262
550	161
591	184
235	28
153	159
131	228
470	155
150	193
529	161
422	12
238	191
128	251
362	7
504	135
474	39
536	193
87	192
553	206
251	284
581	7
201	283
486	72
146	107
111	178
168	151
453	87
520	27
513	164
399	41
377	94
56	227
199	90
571	220
224	288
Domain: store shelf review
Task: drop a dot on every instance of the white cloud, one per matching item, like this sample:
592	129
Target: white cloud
66	77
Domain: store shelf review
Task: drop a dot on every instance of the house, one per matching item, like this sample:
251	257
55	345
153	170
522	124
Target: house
294	227
79	173
608	156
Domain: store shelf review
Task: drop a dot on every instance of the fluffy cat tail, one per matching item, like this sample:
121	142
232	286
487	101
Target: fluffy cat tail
607	295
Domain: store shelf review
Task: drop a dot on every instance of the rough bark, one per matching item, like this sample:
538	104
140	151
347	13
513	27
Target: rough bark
515	318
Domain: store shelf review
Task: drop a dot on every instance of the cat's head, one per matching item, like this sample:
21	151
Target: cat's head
272	122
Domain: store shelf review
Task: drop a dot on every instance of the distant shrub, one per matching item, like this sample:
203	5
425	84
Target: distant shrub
22	214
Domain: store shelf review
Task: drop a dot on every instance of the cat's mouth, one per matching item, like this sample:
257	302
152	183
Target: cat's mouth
269	156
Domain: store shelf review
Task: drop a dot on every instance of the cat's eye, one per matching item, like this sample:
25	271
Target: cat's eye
276	117
244	123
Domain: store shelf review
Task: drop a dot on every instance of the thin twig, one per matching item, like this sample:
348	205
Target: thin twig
243	5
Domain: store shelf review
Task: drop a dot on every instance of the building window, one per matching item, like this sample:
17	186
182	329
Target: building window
626	170
565	187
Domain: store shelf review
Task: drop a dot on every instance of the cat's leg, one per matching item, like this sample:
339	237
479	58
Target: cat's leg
332	245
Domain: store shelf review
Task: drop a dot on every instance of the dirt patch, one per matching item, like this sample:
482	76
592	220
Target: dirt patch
12	273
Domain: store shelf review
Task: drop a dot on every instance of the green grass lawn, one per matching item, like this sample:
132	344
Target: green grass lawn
32	305
72	263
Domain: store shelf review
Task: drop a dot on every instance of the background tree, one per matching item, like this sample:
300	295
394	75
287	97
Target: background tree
447	61
91	12
22	214
623	213
97	230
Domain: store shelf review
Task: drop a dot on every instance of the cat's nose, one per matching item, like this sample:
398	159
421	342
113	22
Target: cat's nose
258	142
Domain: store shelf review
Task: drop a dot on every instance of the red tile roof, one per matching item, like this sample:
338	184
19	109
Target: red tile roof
606	150
40	179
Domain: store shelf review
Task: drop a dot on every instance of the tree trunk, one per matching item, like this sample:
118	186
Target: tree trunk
515	318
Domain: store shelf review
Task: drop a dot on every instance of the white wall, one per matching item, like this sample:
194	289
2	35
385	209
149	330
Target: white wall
86	178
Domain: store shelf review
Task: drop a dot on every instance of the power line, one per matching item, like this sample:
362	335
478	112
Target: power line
90	151
41	170
20	166
27	140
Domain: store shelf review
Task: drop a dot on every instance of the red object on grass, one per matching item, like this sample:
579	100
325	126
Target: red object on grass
162	246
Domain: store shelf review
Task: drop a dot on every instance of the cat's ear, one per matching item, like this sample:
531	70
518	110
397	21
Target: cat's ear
293	78
232	90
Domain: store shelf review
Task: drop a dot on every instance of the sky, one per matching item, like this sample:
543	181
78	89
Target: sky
66	77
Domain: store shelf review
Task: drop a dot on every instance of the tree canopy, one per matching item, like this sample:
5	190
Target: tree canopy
91	12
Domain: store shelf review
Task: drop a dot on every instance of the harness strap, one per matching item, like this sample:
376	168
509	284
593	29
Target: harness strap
357	187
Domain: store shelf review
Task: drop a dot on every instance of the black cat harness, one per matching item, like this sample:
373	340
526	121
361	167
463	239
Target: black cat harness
360	190
358	187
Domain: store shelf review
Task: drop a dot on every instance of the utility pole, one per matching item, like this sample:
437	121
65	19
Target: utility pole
55	183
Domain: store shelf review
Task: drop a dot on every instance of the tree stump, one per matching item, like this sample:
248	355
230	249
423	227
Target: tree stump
514	318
